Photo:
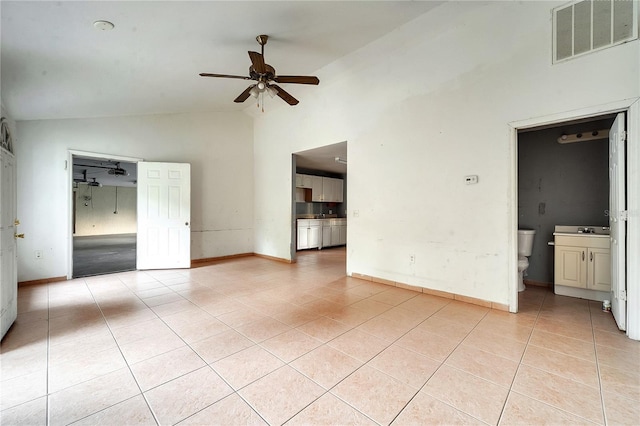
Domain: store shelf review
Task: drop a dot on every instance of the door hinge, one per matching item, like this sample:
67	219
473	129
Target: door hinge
623	295
624	215
623	135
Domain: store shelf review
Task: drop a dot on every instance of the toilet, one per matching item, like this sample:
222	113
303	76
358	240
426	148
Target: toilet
525	245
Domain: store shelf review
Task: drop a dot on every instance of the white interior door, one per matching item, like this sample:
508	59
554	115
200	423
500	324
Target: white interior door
8	259
617	221
164	215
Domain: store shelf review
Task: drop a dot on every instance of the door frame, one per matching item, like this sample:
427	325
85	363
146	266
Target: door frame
632	108
69	167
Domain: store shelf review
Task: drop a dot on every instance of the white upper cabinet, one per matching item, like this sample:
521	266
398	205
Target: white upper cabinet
338	188
323	189
317	193
303	181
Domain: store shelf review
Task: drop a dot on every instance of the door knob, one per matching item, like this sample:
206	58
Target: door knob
18	235
16	222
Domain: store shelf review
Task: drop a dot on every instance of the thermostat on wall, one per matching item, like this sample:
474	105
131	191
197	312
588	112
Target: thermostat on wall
471	179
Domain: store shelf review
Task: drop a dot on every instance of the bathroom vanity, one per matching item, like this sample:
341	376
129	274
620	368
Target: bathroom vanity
582	262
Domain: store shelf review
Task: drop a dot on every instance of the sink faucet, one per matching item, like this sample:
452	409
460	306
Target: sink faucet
586	230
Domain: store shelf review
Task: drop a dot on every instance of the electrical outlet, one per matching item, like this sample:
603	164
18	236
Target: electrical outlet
412	258
38	254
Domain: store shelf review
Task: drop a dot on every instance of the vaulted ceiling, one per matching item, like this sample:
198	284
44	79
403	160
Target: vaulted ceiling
55	64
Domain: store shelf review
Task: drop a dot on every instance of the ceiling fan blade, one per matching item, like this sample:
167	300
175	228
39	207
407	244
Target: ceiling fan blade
206	74
257	60
244	95
296	79
284	95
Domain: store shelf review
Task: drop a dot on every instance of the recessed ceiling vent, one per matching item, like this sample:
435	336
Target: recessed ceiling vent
585	26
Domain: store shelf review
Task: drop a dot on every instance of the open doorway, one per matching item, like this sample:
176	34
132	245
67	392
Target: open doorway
319	199
571	195
104	215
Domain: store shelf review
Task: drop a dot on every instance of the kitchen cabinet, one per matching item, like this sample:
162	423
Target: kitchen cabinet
303	181
317	191
583	262
309	233
327	240
327	190
335	231
332	190
339	190
343	234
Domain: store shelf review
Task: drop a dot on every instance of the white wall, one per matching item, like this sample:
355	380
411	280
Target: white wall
218	146
421	108
95	207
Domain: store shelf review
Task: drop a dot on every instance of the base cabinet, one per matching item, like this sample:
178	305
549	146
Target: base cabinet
308	234
585	266
334	233
599	270
319	233
326	236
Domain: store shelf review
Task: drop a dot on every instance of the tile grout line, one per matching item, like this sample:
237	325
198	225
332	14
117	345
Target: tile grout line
440	366
199	356
328	391
595	348
195	352
323	343
155	417
535	322
539	369
367	362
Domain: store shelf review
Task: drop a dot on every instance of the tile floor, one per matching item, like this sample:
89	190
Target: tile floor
253	341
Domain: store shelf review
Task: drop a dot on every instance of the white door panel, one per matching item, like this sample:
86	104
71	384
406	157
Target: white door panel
164	215
8	259
617	205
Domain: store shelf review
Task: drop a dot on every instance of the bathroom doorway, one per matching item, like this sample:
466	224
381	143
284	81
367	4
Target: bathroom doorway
561	184
530	203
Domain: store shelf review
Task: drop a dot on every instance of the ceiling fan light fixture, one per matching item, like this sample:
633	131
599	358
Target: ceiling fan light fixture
271	91
254	92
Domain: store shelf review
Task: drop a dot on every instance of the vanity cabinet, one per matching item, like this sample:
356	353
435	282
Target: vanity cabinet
599	269
583	262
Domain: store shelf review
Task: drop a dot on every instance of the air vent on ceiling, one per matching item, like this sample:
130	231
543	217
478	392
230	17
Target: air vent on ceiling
589	25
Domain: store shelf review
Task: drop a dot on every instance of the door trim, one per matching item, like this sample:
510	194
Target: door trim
69	167
632	107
